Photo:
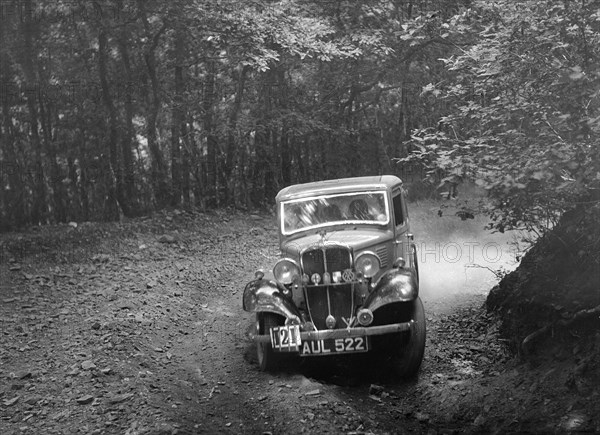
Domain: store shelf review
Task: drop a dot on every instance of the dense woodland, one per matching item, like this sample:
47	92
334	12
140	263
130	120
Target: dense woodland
120	107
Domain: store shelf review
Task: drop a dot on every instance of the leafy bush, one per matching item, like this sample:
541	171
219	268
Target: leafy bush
525	115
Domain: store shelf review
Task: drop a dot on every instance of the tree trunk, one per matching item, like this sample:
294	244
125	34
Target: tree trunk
186	155
159	166
177	119
83	178
230	160
128	137
211	138
12	186
197	171
56	179
29	57
382	154
113	176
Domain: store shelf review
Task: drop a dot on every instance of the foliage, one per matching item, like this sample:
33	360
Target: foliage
121	107
525	112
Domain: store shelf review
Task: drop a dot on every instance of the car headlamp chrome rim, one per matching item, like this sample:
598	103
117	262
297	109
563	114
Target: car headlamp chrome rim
368	263
285	270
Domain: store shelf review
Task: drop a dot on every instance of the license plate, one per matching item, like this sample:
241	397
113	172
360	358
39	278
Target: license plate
286	338
330	346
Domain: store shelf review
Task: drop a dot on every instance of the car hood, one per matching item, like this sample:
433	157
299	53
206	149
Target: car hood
357	239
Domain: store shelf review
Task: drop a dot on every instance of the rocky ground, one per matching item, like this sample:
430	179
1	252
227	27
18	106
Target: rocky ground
137	328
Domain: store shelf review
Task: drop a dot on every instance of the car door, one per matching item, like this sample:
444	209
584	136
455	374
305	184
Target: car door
402	238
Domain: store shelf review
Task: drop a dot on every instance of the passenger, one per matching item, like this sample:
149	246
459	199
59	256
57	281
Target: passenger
332	213
293	218
359	210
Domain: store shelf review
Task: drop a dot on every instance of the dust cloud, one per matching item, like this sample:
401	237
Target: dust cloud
459	256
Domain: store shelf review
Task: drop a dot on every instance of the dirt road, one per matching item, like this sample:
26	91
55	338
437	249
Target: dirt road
137	328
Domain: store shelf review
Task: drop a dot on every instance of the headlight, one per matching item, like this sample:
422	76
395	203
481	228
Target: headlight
285	270
368	264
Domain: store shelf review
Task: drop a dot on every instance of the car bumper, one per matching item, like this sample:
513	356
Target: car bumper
344	333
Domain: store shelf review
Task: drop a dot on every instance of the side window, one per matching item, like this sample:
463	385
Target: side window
398	209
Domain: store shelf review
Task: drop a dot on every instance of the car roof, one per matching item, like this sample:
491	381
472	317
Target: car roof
340	185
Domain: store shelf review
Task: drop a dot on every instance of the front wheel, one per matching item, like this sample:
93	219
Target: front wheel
268	359
407	364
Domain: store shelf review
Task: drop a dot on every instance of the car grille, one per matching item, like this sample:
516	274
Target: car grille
339	305
326	259
382	253
323	300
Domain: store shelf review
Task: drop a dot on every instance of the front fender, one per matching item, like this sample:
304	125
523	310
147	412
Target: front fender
396	285
262	295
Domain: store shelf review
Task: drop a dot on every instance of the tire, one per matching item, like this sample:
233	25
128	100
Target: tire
268	359
408	363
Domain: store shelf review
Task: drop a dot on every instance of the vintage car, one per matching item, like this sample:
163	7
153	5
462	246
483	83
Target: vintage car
347	280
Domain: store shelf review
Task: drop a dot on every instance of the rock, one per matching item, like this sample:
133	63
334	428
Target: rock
479	421
32	400
575	421
313	392
10	402
165	238
15	267
126	306
88	365
84	400
118	398
422	417
375	389
25	374
101	258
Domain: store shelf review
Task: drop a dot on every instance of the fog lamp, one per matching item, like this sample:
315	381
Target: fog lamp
365	316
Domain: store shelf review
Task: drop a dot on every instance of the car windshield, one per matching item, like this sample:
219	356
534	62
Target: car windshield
322	211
